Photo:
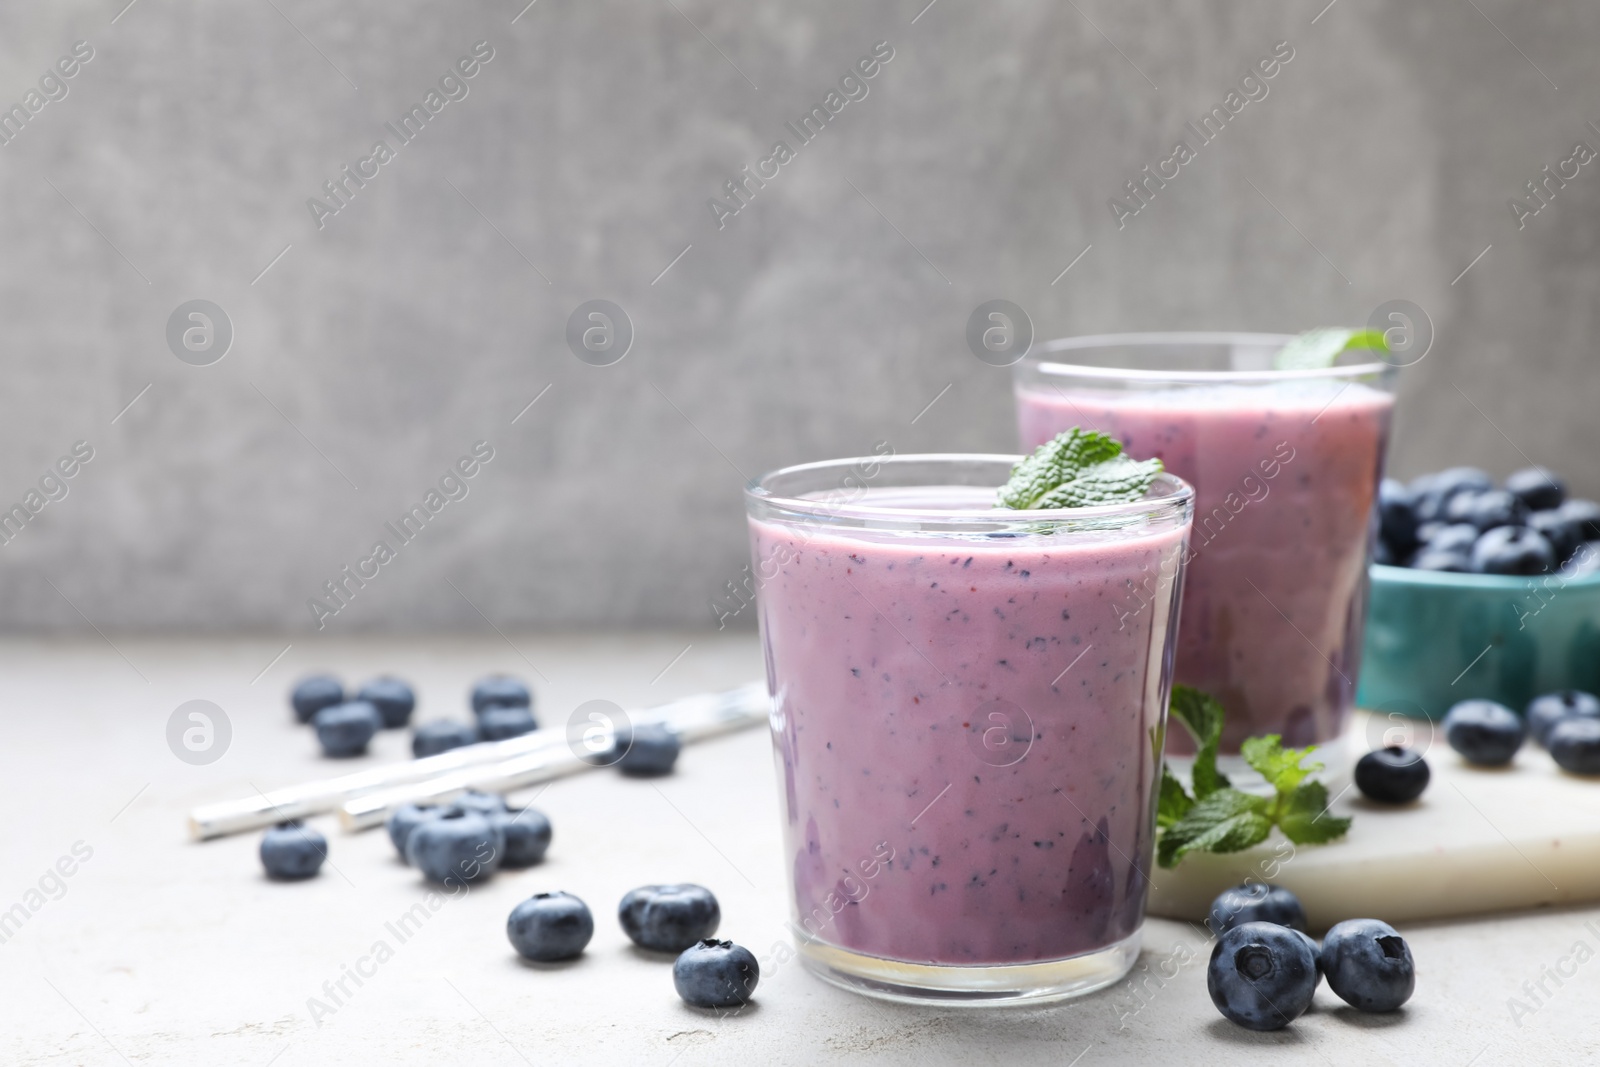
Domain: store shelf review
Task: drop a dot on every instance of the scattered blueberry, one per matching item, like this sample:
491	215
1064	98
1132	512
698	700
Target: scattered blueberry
669	918
716	974
500	691
345	729
1547	709
498	723
1262	975
1513	550
486	803
1560	529
1585	515
1368	964
1255	902
311	695
648	750
1537	488
1392	775
408	817
1315	950
550	926
393	698
292	851
1397	522
527	833
456	846
1574	744
432	738
1484	732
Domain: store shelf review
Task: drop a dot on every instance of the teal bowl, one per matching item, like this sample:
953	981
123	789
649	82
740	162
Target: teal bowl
1435	638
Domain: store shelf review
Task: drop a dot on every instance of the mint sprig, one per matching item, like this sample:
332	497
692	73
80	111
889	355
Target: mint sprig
1219	818
1078	468
1318	349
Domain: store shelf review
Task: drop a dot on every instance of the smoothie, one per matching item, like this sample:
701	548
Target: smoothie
1285	476
966	740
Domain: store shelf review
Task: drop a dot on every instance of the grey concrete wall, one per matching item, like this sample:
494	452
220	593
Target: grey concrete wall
827	314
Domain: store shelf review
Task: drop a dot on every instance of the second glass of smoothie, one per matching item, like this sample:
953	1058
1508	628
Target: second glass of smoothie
1285	466
967	741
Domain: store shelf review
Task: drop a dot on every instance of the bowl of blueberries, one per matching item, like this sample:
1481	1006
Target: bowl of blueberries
1495	587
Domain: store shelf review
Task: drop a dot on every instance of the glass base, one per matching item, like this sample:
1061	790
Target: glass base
970	986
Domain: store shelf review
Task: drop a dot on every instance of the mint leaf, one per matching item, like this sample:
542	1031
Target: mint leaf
1278	765
1225	821
1078	468
1220	818
1202	715
1318	349
1174	802
1303	816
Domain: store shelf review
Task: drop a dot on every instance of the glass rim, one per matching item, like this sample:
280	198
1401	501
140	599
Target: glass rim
1173	496
1043	366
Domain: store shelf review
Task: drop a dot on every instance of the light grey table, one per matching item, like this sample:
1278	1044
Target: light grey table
162	951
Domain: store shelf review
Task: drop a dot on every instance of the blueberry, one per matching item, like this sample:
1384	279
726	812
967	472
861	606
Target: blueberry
1452	537
393	698
1584	561
484	803
1537	488
527	833
500	691
1392	775
311	695
499	723
1585	514
456	846
1488	510
1574	744
1262	975
292	851
1433	492
1484	732
648	750
1255	902
1315	950
1430	560
1368	965
1513	550
1397	522
1547	709
1460	507
1559	529
716	974
432	738
1426	530
344	729
669	918
406	818
550	926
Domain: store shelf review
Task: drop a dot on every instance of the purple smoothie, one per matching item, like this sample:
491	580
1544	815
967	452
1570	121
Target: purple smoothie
1285	476
966	740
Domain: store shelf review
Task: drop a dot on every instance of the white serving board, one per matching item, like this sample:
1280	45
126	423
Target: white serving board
1478	840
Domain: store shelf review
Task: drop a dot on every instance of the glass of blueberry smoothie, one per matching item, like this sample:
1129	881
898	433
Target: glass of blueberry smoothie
967	742
1285	465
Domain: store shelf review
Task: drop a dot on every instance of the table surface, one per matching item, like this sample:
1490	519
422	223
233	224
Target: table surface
156	949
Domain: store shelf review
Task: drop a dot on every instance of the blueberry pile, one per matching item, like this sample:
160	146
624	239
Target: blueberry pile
346	726
1264	968
1566	723
469	838
1456	520
678	919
